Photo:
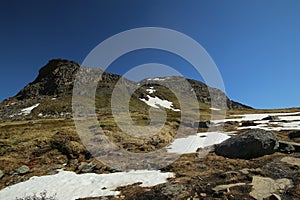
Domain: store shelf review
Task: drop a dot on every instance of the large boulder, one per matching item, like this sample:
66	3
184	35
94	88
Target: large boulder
250	144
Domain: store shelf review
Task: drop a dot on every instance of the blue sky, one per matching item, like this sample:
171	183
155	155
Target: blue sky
255	44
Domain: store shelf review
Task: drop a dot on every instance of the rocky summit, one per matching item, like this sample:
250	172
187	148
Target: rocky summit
248	154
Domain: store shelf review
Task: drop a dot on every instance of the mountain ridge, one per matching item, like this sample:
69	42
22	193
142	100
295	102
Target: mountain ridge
56	79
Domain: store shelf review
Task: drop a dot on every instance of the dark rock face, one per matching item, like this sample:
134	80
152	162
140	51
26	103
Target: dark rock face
251	144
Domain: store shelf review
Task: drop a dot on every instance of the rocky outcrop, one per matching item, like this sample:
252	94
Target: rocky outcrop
251	144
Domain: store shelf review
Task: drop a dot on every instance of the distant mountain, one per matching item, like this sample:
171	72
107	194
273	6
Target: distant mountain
50	94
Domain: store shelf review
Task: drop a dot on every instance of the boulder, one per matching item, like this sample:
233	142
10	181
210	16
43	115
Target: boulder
248	123
294	134
272	118
289	147
264	187
250	144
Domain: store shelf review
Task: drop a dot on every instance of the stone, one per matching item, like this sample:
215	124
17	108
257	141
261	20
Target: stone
291	146
203	124
264	187
286	147
245	171
294	134
23	170
291	161
250	144
272	118
248	123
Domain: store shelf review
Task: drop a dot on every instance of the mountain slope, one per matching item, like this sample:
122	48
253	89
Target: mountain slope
52	91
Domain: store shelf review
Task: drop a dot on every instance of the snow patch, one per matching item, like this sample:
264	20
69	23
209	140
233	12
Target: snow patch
156	102
69	185
27	111
191	143
289	122
155	79
151	90
253	117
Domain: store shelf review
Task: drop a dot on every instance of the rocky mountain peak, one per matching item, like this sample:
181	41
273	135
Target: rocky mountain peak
55	78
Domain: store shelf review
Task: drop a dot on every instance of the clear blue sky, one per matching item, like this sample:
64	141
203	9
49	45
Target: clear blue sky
255	44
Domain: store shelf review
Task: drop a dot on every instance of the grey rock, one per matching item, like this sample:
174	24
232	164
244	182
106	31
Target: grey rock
23	170
250	144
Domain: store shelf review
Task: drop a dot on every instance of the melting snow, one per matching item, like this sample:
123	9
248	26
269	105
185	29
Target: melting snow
27	111
191	143
69	185
155	102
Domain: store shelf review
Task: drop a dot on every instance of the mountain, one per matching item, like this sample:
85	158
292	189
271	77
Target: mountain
51	92
40	142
